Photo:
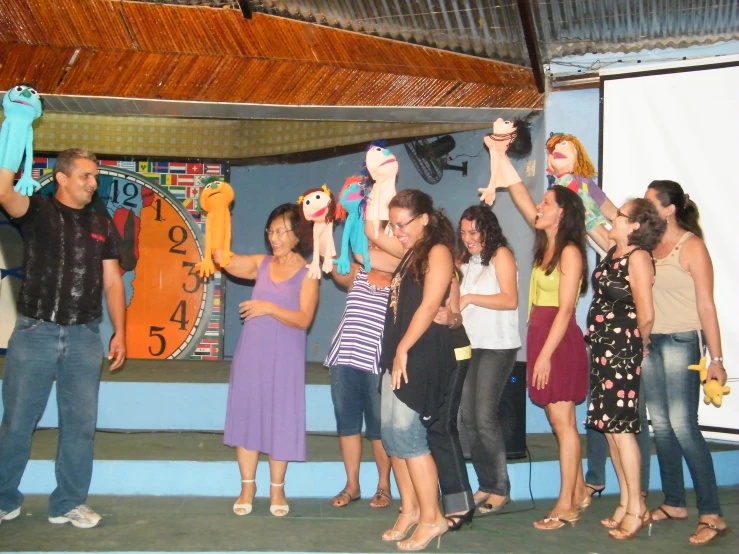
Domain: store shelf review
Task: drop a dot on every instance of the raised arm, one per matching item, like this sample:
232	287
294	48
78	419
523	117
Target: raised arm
244	267
13	202
389	244
380	260
570	269
698	262
641	277
435	284
506	272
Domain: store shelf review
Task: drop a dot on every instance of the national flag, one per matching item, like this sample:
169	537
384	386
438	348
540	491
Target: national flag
195	168
177	167
130	166
160	167
213	169
167	179
35	173
144	167
184	180
178	192
193	192
109	163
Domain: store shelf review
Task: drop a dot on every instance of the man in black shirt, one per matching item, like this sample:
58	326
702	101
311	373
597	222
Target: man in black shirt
70	257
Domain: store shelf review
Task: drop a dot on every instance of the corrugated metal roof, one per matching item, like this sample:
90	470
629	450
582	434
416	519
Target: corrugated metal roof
492	28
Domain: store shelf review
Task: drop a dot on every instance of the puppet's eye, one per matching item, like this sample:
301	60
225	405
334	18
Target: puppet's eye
33	91
19	88
307	202
507	122
378	149
564	142
214	185
318	196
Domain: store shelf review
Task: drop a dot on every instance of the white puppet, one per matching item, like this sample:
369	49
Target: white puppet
383	169
319	208
509	139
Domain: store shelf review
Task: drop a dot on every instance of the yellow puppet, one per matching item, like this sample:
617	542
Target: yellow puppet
714	392
215	199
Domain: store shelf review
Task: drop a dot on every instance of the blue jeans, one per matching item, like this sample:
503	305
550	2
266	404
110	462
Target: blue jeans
356	397
672	394
597	448
39	352
486	378
403	434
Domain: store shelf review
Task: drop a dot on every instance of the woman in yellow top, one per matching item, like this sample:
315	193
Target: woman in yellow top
557	364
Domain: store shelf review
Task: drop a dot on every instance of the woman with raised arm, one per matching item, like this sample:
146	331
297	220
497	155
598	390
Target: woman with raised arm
489	305
418	359
685	316
619	323
266	393
354	362
557	365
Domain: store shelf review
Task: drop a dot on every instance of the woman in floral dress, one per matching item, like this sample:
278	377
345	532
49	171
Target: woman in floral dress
619	322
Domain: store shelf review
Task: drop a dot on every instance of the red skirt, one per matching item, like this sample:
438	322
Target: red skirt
568	379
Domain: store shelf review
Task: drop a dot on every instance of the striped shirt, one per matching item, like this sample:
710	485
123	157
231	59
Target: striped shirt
358	338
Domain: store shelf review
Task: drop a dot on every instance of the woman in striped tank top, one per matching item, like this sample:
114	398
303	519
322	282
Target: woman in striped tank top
353	360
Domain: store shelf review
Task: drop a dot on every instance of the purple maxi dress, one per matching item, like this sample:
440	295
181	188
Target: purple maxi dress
266	392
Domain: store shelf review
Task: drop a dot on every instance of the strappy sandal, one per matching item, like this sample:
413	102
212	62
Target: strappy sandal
397	535
243	509
621	534
667	517
559	522
378	497
274	508
611	522
344	494
718	532
593	490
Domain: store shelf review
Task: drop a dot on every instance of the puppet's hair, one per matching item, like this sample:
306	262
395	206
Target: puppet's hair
331	211
212	179
583	166
341	213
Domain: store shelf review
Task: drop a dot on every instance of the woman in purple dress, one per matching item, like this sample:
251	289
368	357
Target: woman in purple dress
266	393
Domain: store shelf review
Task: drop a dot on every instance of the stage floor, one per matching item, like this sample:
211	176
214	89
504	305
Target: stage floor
205	524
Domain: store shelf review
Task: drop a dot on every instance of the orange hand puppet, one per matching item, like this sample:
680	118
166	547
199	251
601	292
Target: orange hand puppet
509	139
215	199
318	207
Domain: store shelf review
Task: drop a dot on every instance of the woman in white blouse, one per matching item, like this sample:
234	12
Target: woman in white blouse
489	304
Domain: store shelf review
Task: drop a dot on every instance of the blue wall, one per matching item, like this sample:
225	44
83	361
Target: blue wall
260	188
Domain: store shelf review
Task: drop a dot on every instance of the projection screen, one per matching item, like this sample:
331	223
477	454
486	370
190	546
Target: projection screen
680	121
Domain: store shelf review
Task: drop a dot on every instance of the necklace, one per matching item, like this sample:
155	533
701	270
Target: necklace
507	136
395	285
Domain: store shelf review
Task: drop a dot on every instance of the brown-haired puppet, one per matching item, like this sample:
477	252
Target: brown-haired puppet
319	208
509	139
215	198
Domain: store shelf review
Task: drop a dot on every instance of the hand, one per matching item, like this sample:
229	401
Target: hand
255	308
314	270
645	348
542	367
328	265
343	265
399	370
444	315
217	255
117	351
205	268
26	185
717	373
464	301
487	195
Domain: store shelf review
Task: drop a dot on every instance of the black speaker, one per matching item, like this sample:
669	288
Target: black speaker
511	414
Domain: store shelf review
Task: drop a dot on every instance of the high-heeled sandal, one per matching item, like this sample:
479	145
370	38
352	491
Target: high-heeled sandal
413	546
396	535
559	521
274	508
243	509
458	520
611	522
621	534
595	490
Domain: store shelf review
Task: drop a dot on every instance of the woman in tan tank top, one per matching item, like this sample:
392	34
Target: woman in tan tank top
684	309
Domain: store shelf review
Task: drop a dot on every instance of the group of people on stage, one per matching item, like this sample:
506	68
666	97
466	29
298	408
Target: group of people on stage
432	324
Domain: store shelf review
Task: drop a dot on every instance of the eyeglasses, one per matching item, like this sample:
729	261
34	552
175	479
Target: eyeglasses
619	213
401	226
278	232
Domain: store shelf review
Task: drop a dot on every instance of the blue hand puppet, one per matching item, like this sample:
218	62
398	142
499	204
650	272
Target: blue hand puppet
351	207
22	105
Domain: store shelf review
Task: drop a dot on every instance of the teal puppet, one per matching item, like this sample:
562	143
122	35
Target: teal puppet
352	201
22	106
569	164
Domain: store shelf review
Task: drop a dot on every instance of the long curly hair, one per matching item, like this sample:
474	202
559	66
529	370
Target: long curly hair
571	230
651	225
330	212
491	235
686	211
583	165
439	229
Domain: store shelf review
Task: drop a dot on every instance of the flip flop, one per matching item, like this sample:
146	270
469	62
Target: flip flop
347	494
667	516
717	532
379	495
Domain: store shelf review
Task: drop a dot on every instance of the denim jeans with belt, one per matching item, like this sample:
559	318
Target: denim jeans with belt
672	394
488	373
39	352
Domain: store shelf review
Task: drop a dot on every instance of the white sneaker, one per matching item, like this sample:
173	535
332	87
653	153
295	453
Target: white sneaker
7	516
81	516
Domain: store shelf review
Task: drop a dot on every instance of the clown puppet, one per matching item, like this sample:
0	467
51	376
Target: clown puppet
382	167
318	207
509	139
